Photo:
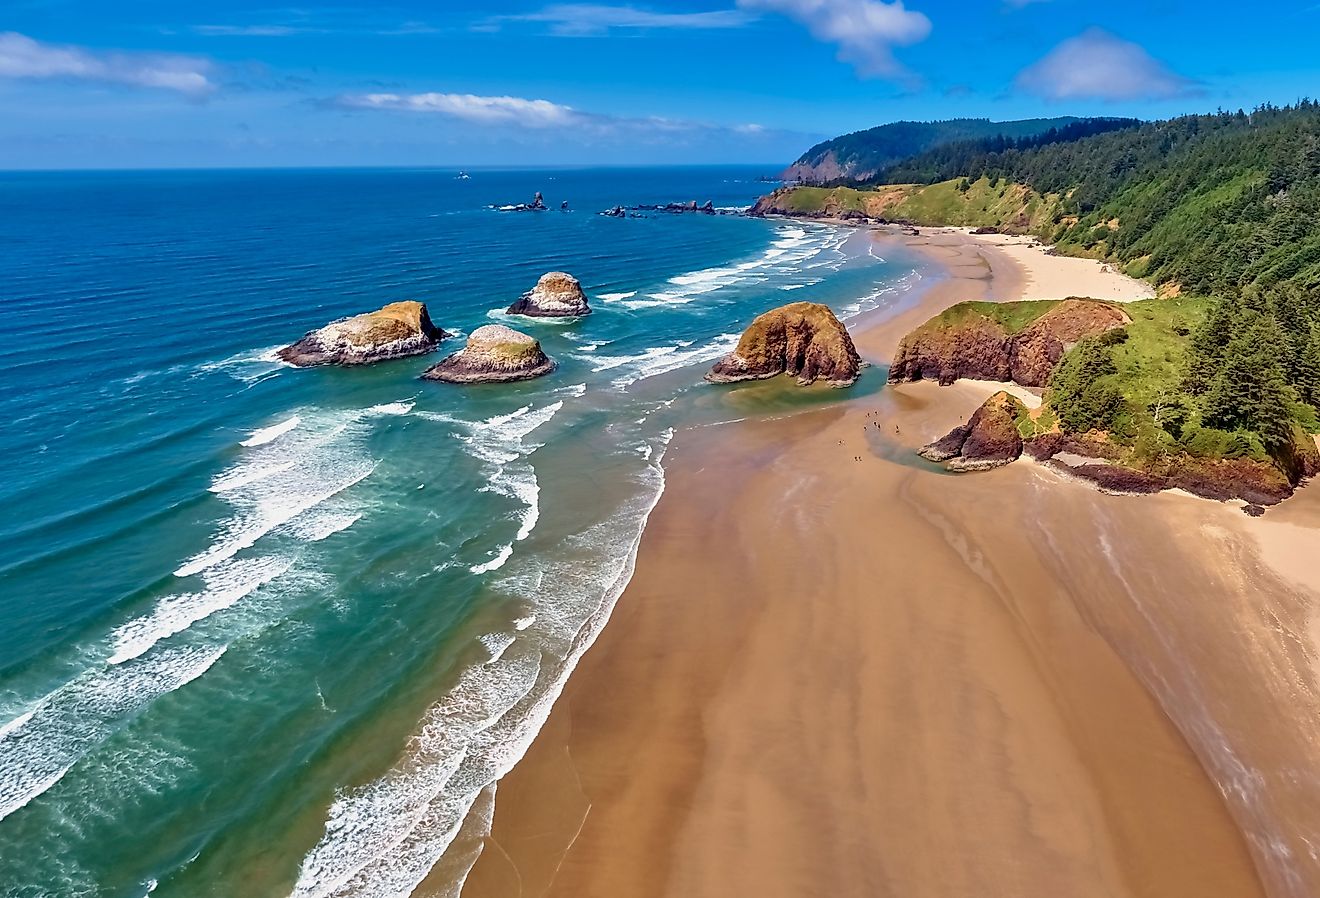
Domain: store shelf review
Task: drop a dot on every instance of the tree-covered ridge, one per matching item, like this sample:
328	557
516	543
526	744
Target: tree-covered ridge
1208	202
864	153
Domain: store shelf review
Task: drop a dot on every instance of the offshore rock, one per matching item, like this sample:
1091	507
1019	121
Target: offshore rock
556	295
803	340
493	354
398	330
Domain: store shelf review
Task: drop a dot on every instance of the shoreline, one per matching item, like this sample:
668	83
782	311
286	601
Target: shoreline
720	737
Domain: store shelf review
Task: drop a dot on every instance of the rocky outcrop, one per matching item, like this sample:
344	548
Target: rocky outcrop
493	354
556	295
398	330
989	440
803	340
971	340
1258	482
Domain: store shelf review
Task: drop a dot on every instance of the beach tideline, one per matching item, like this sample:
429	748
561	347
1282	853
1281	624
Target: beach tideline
832	676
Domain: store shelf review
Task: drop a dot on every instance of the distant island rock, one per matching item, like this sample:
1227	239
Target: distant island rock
493	354
989	440
556	295
396	331
803	340
1001	341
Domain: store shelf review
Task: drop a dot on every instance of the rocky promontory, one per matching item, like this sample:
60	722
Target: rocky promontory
493	354
1014	341
556	295
989	440
398	330
803	340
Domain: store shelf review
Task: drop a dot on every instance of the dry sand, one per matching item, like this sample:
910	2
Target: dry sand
869	678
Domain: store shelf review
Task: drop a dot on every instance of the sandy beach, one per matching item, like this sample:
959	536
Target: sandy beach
841	677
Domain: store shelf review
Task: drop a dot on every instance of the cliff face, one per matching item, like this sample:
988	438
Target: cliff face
399	329
966	342
493	354
990	439
556	295
803	340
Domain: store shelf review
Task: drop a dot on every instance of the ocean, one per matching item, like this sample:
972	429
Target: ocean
279	632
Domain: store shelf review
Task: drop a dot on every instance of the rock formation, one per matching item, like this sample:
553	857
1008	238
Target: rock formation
803	340
493	354
399	329
556	295
968	342
990	439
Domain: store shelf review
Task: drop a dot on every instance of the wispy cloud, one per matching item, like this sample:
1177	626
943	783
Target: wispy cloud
522	115
26	58
251	30
865	31
580	19
1098	65
470	108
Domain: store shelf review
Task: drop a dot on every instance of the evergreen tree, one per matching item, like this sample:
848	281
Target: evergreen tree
1250	391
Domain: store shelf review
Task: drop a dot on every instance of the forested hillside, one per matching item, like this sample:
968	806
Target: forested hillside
1209	202
863	154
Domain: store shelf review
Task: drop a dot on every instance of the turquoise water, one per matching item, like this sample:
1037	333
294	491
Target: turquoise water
270	631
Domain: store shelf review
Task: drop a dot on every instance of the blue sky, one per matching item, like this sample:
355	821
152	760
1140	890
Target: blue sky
464	83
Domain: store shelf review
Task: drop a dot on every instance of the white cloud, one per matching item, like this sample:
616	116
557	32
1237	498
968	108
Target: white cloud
1096	64
471	108
576	19
866	31
23	57
250	30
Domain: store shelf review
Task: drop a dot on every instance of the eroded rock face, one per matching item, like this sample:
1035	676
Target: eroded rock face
493	354
1036	350
803	340
979	347
398	330
989	440
556	295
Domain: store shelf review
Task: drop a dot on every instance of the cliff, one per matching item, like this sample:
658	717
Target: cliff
803	340
1020	342
493	354
395	331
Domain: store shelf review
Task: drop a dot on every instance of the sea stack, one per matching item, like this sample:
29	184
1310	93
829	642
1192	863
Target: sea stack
494	354
398	330
989	440
556	295
803	340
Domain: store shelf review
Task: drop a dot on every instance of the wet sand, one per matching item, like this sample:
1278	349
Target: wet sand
840	677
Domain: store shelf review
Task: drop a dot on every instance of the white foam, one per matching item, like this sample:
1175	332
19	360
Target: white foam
226	584
615	297
71	721
383	839
272	433
286	474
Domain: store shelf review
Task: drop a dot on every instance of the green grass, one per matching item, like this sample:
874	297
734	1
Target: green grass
1153	361
1013	317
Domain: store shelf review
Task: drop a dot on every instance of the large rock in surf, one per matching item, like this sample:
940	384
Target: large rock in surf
990	439
1020	342
399	329
556	295
494	354
803	340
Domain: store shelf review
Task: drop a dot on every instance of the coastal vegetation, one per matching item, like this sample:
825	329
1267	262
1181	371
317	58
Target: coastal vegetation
863	154
1218	211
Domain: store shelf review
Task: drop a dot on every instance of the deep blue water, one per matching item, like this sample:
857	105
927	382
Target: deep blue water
270	631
